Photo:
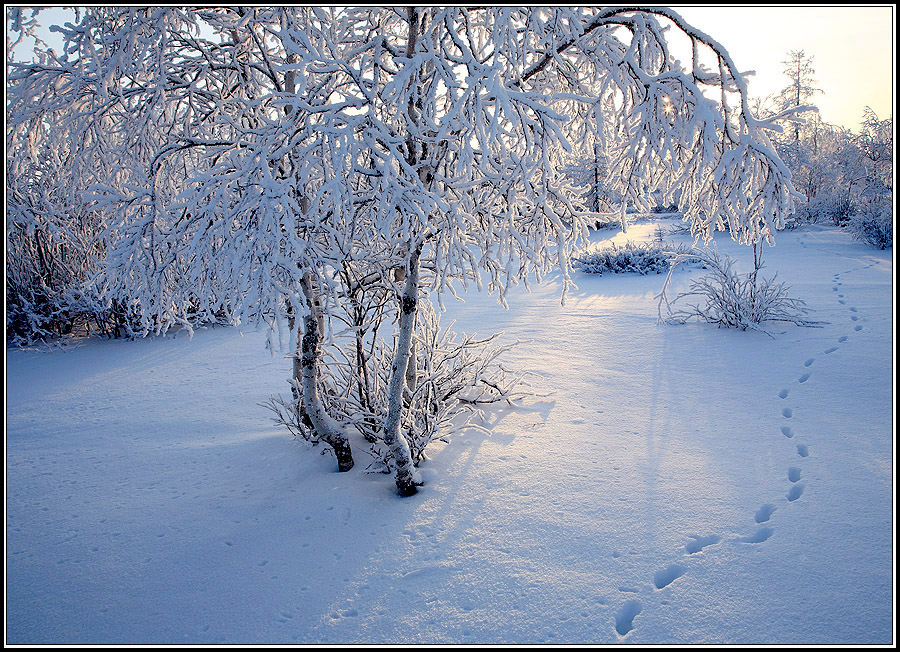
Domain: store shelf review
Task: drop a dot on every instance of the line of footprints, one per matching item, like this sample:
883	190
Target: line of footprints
662	578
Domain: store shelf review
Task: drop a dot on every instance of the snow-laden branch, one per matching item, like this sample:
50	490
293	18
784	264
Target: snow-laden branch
243	154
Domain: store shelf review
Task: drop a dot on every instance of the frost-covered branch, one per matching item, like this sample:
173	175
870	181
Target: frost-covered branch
239	151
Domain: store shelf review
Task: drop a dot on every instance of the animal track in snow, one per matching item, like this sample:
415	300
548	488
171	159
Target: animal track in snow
625	617
662	578
853	309
857	328
759	536
699	543
854	317
764	513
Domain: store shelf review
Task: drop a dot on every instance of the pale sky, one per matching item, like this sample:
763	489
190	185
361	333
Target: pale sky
852	50
851	46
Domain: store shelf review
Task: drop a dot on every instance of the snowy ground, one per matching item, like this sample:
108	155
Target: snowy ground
682	484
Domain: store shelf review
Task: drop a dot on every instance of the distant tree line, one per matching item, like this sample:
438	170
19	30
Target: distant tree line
846	177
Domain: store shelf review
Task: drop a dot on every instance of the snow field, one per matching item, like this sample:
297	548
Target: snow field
676	484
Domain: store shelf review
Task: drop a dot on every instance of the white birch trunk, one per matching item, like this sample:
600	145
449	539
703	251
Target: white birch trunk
404	473
328	430
623	219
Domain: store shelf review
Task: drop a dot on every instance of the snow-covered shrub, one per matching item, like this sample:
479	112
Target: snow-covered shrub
827	208
733	300
790	224
455	376
874	225
29	312
46	278
637	258
601	221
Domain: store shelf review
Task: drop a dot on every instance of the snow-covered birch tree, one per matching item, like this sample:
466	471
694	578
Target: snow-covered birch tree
254	153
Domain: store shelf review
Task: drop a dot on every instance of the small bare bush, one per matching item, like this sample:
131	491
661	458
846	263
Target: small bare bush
456	376
731	300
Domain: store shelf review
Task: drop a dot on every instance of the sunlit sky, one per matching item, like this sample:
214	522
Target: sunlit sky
852	50
851	46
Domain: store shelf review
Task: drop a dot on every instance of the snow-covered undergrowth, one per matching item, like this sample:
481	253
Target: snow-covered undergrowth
631	257
728	299
874	225
681	484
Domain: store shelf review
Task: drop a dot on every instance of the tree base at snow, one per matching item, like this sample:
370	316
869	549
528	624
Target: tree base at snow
457	375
